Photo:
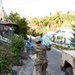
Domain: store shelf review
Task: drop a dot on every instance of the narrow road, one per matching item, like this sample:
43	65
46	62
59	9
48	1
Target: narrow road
54	62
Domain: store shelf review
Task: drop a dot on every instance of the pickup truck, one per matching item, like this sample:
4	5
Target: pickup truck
68	62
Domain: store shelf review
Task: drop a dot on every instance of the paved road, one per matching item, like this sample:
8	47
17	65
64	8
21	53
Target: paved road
54	62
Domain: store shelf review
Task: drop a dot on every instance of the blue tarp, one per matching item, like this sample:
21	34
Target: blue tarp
46	40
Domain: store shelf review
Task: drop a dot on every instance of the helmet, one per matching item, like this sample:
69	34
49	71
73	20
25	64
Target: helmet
38	38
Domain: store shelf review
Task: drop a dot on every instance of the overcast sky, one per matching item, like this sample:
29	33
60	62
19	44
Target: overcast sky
34	8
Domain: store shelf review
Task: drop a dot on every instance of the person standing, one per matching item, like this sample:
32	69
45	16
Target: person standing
41	61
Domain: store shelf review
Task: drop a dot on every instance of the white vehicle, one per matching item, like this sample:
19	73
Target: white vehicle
68	62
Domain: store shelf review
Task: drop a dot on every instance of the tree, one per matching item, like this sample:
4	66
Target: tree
73	39
21	22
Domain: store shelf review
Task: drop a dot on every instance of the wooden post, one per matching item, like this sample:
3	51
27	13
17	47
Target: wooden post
25	49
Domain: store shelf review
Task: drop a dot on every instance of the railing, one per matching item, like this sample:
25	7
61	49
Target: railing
66	44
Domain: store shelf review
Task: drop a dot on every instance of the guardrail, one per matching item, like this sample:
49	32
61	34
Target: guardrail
66	45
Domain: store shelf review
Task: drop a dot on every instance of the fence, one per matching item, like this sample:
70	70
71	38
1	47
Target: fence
64	42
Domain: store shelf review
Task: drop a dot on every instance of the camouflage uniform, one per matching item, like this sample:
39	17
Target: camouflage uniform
41	60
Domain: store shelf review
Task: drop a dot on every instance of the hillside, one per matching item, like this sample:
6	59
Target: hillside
52	22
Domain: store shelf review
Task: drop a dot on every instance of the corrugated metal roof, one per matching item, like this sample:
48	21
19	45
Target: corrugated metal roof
7	23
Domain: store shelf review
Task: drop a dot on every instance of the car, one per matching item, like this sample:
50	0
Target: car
29	46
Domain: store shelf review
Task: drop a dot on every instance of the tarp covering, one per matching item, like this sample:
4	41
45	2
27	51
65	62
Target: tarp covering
46	40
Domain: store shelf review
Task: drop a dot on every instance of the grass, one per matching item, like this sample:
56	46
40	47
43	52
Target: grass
60	47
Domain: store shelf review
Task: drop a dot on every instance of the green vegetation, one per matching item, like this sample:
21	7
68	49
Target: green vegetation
73	39
22	24
52	22
41	25
10	53
60	47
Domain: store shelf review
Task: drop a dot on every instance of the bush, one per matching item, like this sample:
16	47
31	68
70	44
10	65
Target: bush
7	56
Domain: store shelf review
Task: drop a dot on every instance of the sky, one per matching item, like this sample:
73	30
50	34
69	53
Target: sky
38	8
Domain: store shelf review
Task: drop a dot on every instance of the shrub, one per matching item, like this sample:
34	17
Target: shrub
9	53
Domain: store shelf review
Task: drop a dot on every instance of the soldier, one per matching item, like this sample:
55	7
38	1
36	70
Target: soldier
41	57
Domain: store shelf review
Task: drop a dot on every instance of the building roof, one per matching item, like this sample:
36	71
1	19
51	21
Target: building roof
7	23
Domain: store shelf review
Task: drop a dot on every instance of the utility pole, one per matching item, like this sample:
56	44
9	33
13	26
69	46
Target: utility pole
1	11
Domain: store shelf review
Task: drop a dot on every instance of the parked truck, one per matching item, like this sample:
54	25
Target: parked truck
68	62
